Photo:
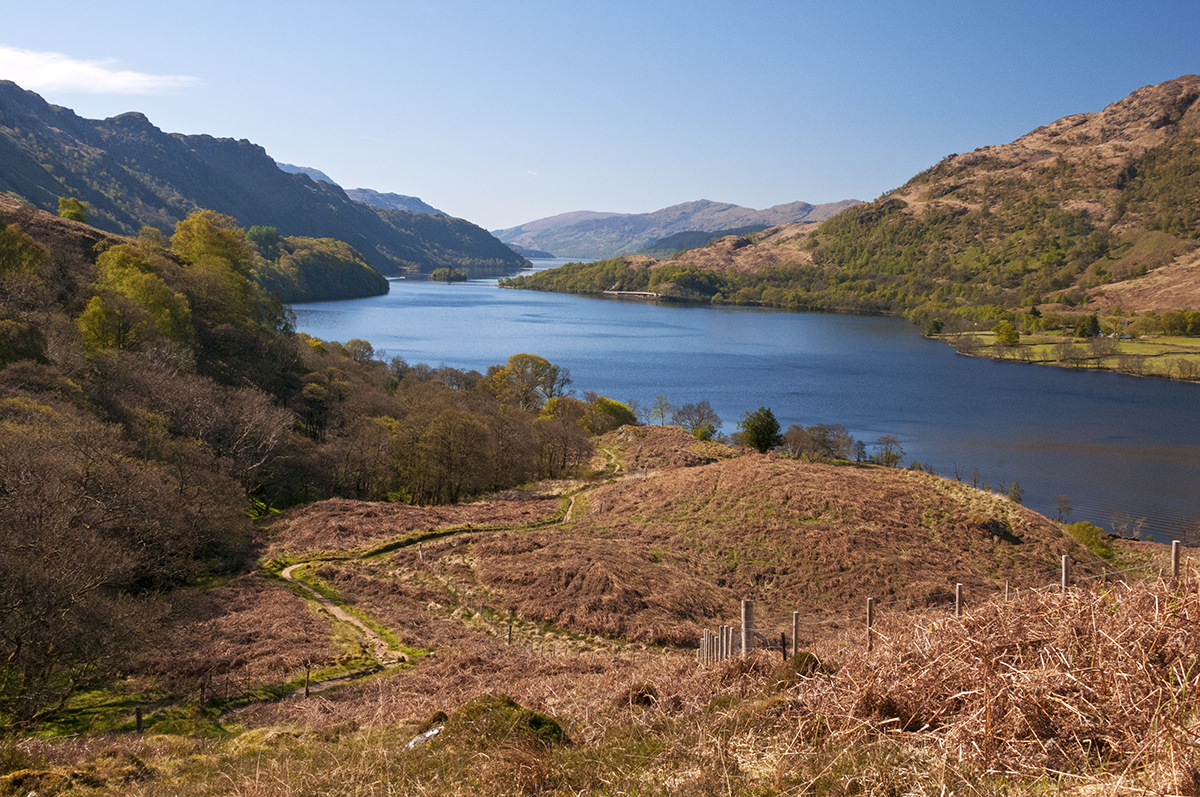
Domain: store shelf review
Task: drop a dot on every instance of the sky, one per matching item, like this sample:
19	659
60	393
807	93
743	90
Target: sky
503	113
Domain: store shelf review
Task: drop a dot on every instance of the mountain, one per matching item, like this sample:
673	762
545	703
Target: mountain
132	174
1096	209
1096	213
315	174
394	201
593	236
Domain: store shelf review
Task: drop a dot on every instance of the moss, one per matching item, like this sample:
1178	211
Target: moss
494	719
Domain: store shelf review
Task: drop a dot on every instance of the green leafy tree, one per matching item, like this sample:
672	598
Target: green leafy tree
71	208
1006	334
759	429
528	381
660	409
1087	327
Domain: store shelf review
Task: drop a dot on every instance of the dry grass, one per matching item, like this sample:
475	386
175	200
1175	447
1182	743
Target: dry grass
1083	693
251	632
339	524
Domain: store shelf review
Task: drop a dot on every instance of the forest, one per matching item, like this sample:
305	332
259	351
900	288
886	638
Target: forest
155	401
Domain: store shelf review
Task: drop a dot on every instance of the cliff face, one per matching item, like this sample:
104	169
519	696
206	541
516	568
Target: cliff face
132	174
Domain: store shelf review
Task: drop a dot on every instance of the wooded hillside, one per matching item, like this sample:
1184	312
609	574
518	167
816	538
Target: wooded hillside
132	174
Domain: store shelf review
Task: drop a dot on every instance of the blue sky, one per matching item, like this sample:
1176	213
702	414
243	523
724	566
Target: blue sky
503	113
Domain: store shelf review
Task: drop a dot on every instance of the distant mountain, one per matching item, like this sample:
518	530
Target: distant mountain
131	174
394	201
315	174
1094	213
532	254
593	236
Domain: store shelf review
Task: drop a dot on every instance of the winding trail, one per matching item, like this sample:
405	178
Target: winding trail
372	643
379	648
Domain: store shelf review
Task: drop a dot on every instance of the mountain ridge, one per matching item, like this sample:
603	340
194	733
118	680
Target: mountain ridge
596	235
132	174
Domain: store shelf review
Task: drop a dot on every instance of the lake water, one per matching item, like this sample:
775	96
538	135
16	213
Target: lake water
1110	443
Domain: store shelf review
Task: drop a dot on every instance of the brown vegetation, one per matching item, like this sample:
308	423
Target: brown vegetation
338	524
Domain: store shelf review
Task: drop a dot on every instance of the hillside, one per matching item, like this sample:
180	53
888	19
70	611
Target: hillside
692	239
593	236
542	640
131	174
1057	216
1083	228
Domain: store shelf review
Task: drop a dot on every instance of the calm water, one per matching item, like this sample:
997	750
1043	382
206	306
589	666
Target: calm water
1108	442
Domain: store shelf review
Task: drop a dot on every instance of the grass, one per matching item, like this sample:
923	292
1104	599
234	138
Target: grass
599	606
1155	355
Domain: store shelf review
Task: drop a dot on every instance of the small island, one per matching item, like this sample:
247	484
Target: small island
447	275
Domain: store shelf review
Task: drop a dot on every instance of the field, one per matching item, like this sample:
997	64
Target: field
547	636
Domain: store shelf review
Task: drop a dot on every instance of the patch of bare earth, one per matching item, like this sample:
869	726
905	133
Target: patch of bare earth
776	247
1173	287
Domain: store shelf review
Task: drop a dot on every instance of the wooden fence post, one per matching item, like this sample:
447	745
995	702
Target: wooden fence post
729	641
795	633
1175	546
139	719
870	624
747	627
958	604
1066	572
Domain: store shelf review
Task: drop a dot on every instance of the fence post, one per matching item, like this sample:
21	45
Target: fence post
729	646
1175	546
1066	572
1005	590
139	719
958	606
795	633
870	624
747	627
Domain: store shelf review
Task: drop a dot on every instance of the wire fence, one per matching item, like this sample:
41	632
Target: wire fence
728	641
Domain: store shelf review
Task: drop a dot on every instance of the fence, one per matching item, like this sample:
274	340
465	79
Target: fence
729	641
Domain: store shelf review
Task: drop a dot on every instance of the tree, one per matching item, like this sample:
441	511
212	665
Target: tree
71	208
359	350
1006	334
1063	504
798	441
700	419
1015	493
759	429
206	233
1087	327
528	381
660	409
888	450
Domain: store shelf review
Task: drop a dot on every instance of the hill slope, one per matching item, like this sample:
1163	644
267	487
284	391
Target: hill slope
1090	201
131	174
591	236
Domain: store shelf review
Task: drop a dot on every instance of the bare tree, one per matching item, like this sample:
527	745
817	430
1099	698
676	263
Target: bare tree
1063	504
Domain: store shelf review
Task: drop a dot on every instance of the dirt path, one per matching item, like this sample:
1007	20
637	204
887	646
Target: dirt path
377	645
